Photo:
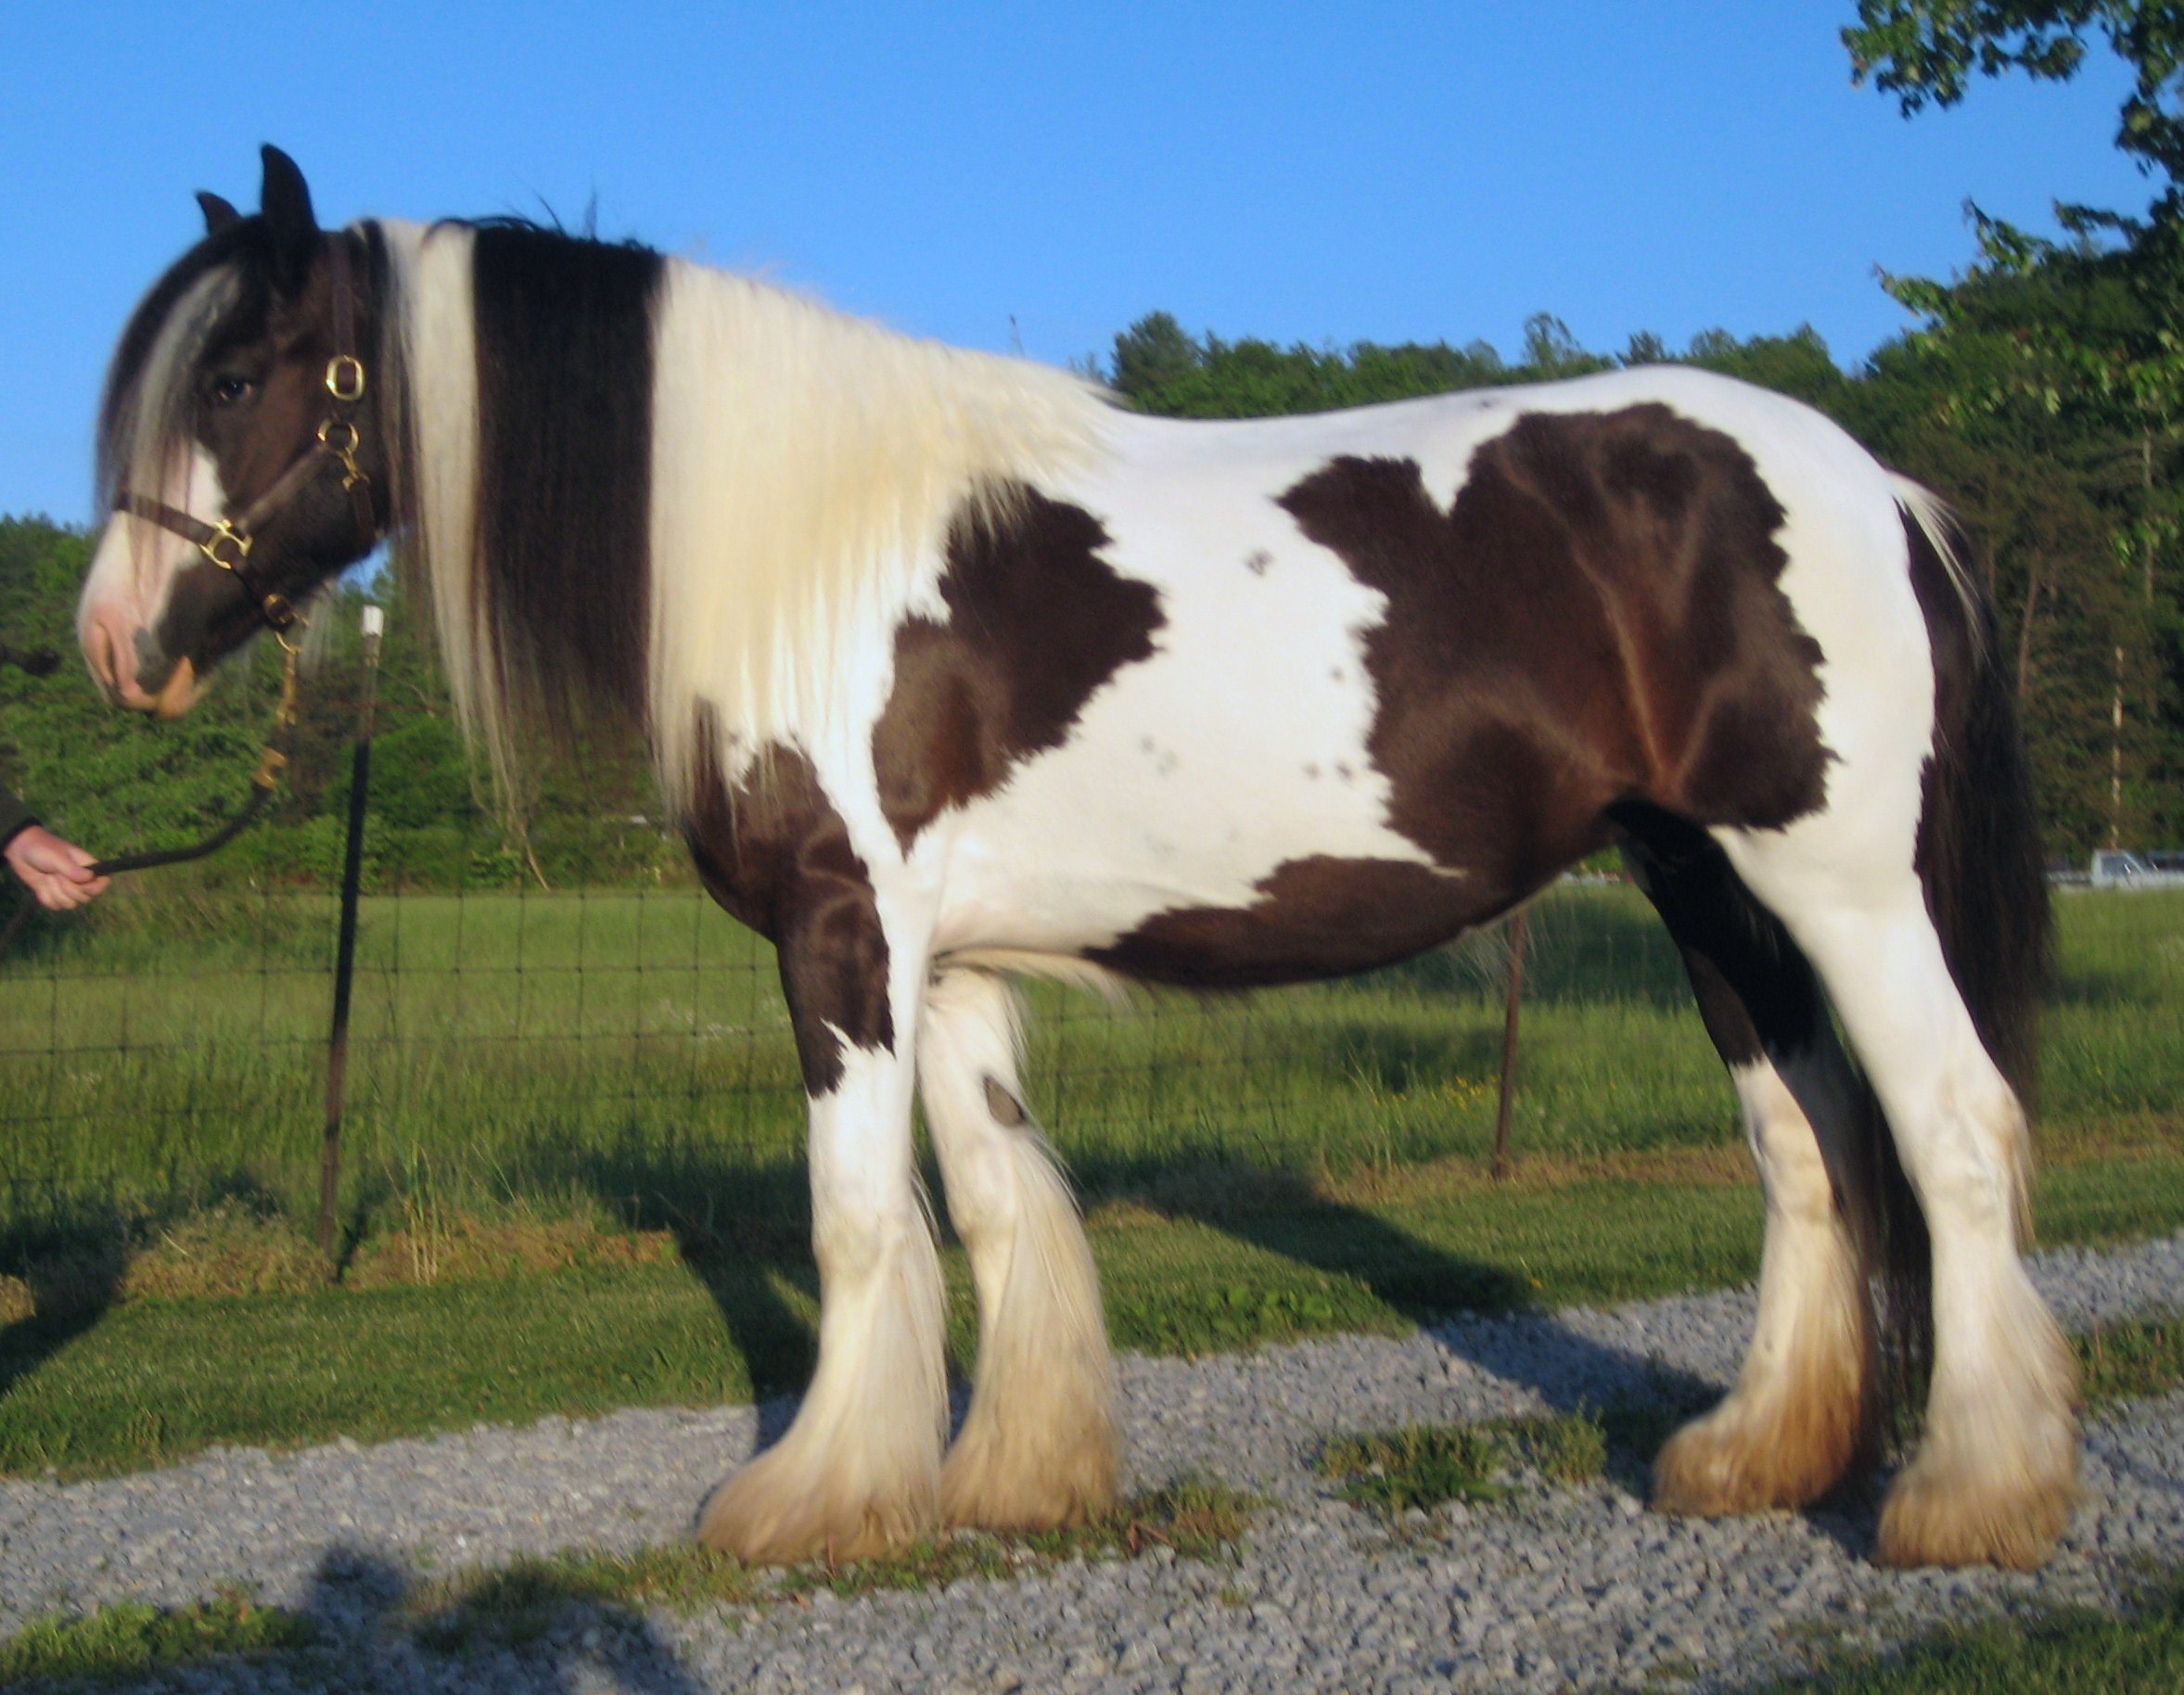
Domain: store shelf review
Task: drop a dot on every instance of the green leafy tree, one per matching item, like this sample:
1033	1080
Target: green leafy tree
2089	330
1927	51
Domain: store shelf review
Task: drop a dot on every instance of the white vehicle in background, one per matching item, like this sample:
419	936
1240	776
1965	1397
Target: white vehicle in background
2121	868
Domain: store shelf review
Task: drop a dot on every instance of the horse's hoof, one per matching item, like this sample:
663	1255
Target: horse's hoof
1940	1515
1741	1458
1733	1462
992	1485
776	1512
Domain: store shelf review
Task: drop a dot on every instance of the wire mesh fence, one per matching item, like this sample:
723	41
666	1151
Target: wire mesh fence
566	1022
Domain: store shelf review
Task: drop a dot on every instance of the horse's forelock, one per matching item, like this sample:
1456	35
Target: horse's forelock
144	413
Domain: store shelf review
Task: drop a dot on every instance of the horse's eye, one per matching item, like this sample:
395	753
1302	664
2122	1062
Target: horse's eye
227	391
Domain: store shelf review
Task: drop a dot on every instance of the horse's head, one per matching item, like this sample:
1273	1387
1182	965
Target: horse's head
240	446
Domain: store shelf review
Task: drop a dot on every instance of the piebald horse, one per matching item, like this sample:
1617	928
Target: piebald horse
954	670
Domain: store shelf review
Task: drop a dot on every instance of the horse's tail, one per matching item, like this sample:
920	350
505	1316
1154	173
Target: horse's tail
1979	837
1979	863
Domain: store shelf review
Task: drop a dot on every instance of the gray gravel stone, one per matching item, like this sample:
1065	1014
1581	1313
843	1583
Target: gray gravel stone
1576	1587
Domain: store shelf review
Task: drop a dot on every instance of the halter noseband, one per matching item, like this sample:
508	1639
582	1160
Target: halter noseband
227	543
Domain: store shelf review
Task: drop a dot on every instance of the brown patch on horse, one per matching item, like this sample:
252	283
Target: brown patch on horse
777	855
1316	917
1037	623
1596	618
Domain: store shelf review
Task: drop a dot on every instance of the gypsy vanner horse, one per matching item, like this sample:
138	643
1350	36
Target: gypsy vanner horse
954	670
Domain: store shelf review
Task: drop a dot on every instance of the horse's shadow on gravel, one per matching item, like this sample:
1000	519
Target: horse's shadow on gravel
1484	1316
524	1627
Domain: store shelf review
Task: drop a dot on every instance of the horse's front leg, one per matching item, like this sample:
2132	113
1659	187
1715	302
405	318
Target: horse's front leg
858	1472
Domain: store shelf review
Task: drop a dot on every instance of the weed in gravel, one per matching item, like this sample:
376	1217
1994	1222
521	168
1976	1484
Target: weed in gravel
1639	1425
2057	1652
2129	1361
1424	1466
522	1601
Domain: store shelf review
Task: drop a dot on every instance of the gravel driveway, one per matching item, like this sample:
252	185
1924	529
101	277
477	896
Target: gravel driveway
1574	1586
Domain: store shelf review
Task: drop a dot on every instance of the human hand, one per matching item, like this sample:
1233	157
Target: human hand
57	872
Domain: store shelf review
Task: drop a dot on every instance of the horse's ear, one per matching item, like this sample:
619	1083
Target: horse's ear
219	214
290	225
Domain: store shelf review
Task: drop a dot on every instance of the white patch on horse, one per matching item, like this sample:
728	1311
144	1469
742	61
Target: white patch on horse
136	561
1186	779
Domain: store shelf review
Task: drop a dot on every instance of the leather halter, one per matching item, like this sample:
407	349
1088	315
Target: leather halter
227	543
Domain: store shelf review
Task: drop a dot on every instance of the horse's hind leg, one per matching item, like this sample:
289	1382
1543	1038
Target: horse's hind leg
1997	1470
858	1471
1802	1412
1040	1447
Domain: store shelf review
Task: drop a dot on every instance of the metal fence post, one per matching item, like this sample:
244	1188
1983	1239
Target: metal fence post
359	776
1516	992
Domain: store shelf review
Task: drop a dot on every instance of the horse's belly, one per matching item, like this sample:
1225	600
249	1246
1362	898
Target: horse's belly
1183	896
1314	917
1229	831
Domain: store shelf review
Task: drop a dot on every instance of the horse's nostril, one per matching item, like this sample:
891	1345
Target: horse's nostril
152	662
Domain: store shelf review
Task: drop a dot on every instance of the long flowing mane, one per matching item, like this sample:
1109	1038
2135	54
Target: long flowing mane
794	472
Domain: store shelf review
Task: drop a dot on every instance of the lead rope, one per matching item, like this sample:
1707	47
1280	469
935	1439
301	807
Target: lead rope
272	760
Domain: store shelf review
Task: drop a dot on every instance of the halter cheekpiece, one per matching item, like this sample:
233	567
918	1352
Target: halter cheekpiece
226	541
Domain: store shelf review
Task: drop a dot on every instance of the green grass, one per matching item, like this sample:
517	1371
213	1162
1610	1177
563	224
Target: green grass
2065	1653
2130	1360
151	1380
125	1640
628	1056
536	1077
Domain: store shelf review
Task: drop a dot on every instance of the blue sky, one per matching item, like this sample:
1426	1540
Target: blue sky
1038	176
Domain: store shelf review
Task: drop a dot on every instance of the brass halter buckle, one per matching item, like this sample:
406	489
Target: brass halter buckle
225	532
275	608
345	378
